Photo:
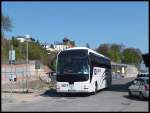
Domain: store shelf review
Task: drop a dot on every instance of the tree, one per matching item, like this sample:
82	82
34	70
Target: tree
115	53
38	42
103	49
72	44
66	41
52	60
52	46
6	24
32	39
87	45
4	49
15	42
132	55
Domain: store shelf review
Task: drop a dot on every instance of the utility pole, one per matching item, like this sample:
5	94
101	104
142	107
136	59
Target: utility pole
27	66
27	37
11	69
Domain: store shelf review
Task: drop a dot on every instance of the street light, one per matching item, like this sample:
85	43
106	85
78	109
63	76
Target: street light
27	37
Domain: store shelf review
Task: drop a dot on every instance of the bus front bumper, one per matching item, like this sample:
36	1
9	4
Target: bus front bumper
73	91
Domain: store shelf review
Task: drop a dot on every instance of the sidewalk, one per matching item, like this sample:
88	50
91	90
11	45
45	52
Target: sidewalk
19	97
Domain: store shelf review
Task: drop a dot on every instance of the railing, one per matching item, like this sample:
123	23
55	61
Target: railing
21	80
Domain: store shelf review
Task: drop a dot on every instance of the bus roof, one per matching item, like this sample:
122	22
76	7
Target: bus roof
89	50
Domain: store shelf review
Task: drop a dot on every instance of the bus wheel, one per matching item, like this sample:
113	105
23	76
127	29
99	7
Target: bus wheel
96	89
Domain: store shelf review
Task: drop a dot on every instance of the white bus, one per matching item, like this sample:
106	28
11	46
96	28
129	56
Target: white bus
81	69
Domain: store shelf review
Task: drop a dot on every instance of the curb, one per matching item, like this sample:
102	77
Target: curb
18	91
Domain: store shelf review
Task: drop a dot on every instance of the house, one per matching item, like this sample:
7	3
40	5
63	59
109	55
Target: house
124	70
23	39
59	46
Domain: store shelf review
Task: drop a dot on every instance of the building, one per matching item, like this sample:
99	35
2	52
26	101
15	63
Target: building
118	68
45	45
23	39
59	46
124	70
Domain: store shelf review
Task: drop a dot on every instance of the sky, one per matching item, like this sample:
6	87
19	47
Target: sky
94	23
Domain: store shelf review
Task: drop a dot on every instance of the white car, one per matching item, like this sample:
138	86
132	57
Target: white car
139	87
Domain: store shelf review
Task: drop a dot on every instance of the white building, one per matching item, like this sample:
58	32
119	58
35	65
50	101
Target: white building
23	39
60	47
45	45
56	47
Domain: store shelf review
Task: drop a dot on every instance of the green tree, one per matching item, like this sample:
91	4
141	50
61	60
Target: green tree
52	60
103	49
15	42
38	42
34	51
6	23
72	43
115	53
52	46
32	39
132	56
5	49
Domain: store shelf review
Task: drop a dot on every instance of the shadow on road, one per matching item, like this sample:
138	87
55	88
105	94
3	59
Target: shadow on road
53	93
134	98
119	87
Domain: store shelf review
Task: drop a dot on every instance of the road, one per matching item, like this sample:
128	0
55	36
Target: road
113	99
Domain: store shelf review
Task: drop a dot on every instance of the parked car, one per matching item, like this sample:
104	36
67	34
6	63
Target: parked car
143	75
139	88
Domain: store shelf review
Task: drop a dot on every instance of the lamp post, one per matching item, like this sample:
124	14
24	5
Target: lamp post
27	37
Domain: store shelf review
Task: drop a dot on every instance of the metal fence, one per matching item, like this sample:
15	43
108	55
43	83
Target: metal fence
21	81
18	77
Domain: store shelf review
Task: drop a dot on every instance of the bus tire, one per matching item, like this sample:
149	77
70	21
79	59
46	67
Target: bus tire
94	92
96	88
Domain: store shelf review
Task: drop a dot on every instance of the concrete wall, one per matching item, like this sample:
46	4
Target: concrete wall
131	71
20	71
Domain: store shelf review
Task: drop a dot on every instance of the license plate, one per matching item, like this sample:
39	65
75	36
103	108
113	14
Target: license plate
71	86
64	85
71	90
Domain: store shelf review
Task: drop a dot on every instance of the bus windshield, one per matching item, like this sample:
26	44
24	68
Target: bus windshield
73	63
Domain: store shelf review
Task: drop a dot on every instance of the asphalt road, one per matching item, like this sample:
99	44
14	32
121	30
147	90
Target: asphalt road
113	99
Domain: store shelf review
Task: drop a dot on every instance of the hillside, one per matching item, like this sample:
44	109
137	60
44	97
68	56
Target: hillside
35	52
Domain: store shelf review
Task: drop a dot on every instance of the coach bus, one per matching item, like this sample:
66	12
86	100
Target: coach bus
81	69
